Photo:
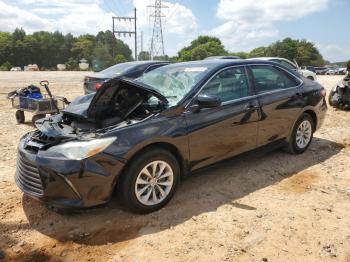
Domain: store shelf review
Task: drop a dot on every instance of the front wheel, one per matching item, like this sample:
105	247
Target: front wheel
37	117
150	181
302	134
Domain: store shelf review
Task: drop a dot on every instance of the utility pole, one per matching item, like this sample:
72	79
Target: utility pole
157	44
141	41
125	32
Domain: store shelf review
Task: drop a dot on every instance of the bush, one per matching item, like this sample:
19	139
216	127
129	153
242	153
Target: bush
72	65
5	66
120	59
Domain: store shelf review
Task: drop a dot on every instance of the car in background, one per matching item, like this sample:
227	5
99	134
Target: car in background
321	70
290	65
130	70
15	68
341	71
140	137
310	68
222	57
330	71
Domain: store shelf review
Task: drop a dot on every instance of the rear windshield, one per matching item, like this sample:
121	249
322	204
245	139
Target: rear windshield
118	69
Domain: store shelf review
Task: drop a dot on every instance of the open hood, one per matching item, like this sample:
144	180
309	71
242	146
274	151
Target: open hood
116	94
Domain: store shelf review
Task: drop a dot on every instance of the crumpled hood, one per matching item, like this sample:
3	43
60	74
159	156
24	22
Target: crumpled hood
79	106
89	106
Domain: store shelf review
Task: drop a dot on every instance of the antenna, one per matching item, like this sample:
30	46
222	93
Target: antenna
157	44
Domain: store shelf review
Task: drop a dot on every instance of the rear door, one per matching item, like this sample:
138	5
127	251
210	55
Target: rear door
280	98
230	129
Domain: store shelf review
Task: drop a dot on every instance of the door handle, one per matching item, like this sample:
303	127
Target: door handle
251	108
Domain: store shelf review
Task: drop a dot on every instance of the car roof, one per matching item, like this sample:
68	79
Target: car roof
269	58
218	63
146	62
222	57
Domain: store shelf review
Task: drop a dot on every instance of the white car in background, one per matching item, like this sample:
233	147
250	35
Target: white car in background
289	64
331	71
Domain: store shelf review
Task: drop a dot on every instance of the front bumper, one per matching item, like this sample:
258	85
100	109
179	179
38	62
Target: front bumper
66	183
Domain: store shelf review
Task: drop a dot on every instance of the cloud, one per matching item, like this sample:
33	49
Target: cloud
91	16
77	17
12	17
248	23
335	53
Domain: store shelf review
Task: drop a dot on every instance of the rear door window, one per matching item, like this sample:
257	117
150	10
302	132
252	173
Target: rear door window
268	78
286	64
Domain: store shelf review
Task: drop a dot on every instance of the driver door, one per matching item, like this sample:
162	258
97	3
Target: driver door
229	129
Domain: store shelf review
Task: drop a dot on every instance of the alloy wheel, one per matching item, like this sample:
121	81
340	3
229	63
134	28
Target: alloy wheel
154	183
304	134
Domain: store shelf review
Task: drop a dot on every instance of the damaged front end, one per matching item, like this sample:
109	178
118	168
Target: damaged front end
339	97
66	161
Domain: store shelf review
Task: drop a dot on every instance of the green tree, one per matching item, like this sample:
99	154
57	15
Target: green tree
144	55
242	55
18	34
5	47
201	48
84	47
120	59
101	57
72	64
258	52
5	66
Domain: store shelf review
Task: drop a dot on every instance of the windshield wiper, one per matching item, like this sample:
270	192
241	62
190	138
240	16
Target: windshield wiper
171	96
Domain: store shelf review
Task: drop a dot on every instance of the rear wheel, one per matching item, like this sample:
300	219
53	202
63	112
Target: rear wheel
302	134
20	116
150	181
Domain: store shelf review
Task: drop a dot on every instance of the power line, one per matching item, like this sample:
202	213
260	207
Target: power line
157	43
119	19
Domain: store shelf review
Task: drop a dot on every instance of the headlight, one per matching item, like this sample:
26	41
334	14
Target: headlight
78	150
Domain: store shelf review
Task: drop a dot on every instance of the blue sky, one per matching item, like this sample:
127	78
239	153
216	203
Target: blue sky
240	24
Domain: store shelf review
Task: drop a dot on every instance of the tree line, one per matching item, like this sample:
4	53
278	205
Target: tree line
48	49
302	51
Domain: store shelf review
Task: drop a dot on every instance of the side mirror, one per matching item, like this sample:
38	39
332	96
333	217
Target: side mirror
206	101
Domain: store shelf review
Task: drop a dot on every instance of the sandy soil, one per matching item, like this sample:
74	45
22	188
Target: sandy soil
265	207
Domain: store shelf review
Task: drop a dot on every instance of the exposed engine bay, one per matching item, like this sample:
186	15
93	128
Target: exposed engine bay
118	102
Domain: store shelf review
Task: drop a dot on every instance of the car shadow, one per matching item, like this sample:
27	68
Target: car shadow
204	191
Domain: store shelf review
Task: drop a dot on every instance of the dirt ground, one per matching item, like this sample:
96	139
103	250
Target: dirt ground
265	207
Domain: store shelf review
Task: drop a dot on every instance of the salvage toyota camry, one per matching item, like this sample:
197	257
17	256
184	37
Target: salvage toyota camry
139	137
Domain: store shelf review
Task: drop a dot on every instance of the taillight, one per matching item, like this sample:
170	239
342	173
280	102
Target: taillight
323	92
97	85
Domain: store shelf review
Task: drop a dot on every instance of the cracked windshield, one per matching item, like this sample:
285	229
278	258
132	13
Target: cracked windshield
174	82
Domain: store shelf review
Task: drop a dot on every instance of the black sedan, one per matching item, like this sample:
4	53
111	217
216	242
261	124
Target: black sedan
141	137
130	70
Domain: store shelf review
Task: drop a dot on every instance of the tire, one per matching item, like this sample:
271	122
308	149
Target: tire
298	147
311	78
37	117
20	116
136	171
330	98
